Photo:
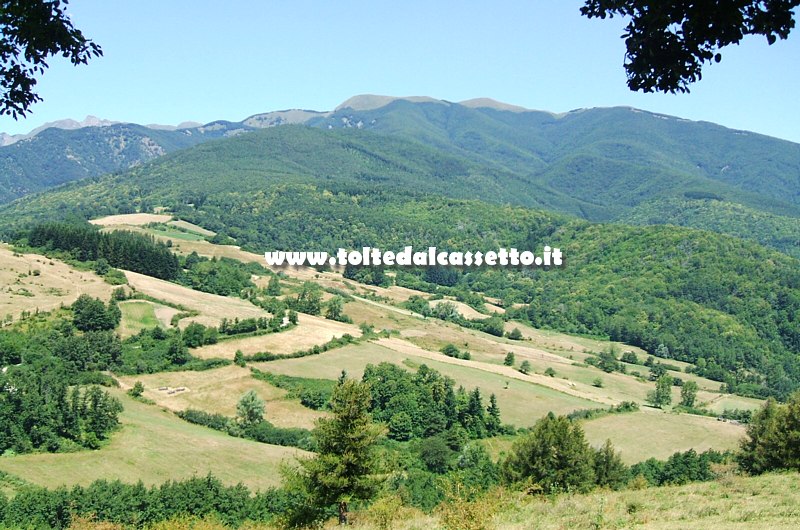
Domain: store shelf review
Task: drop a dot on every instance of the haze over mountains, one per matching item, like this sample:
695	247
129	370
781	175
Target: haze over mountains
602	164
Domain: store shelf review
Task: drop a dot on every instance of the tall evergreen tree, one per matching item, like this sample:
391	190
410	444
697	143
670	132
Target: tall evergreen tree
609	470
345	467
493	421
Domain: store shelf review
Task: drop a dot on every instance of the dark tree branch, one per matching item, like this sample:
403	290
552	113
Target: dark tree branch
33	31
669	42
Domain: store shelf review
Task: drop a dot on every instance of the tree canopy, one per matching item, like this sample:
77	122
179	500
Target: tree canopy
31	31
668	43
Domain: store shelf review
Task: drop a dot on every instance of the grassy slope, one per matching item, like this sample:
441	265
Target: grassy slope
769	502
136	316
155	446
22	289
218	391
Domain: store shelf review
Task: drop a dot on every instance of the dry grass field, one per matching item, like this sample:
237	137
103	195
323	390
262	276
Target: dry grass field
213	307
155	446
30	281
654	433
218	391
310	331
131	219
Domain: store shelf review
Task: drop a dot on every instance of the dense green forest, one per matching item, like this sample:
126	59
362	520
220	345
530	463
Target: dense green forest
127	250
45	361
712	213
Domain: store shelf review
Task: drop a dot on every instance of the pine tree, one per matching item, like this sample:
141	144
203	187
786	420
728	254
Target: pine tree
772	438
493	422
345	466
609	470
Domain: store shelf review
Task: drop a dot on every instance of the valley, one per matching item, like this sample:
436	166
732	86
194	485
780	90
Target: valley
145	340
411	341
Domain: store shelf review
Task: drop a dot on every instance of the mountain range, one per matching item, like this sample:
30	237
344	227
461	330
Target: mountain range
601	164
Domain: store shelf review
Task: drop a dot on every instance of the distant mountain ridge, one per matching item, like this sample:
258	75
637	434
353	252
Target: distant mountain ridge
66	124
601	164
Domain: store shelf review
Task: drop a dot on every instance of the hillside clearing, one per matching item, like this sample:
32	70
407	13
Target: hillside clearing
218	391
132	219
143	314
30	281
653	433
213	307
310	331
155	446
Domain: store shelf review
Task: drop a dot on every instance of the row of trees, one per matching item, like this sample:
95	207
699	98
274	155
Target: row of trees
224	276
123	249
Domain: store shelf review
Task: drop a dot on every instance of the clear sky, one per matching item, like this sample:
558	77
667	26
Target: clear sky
168	61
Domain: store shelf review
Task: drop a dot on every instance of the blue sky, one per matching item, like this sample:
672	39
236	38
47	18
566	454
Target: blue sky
177	60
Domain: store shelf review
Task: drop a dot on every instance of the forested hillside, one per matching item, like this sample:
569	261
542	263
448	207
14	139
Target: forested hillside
729	305
601	164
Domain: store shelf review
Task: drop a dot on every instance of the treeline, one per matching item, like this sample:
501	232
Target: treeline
312	393
223	276
260	431
122	249
336	342
138	506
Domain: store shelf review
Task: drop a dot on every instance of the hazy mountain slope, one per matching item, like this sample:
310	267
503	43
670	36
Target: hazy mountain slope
594	154
55	156
594	163
776	231
598	164
299	154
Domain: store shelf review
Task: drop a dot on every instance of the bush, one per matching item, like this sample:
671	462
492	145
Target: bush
553	457
525	367
137	390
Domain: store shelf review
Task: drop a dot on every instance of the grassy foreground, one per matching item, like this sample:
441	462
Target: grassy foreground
770	501
155	446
